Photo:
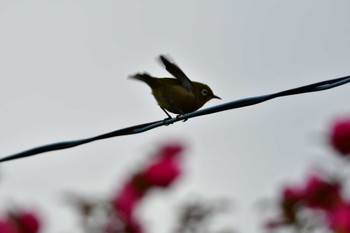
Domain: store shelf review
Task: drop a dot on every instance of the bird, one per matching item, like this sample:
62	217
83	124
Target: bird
177	95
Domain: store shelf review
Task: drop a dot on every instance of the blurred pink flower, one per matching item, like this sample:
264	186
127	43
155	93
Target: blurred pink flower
7	227
339	218
27	222
125	201
291	200
133	227
316	193
161	172
292	194
166	168
322	194
340	136
20	222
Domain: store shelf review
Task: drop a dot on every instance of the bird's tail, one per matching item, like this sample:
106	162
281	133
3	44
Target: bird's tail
151	81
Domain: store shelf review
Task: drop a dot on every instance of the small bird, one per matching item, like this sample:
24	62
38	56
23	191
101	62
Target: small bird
180	95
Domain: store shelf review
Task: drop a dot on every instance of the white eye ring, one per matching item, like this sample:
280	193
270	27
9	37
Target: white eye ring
204	92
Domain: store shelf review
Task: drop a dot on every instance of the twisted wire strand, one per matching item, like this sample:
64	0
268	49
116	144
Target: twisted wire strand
320	86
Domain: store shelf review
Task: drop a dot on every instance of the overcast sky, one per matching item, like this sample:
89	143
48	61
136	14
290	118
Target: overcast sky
64	67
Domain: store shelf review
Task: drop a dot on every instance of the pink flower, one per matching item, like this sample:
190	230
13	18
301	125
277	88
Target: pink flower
292	194
7	227
124	202
321	194
292	197
340	136
20	222
316	193
291	200
165	169
27	222
339	218
162	173
133	227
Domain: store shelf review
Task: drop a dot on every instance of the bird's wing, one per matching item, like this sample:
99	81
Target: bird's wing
177	72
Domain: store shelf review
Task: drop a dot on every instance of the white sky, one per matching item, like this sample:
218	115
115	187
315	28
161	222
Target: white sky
64	67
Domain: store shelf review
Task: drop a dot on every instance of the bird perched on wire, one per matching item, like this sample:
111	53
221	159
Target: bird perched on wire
179	95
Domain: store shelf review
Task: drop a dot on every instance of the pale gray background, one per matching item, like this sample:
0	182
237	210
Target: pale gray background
64	68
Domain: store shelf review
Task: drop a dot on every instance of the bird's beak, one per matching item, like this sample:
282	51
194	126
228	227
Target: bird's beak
216	97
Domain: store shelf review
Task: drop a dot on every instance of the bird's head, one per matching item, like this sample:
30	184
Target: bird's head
203	92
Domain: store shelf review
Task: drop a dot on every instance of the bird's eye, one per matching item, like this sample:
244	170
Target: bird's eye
204	92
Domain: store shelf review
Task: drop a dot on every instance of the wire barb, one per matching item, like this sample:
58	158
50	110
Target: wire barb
320	86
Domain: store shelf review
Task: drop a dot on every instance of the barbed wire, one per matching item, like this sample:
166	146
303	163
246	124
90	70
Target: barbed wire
320	86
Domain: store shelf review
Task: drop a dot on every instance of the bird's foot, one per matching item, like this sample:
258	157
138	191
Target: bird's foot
178	116
165	121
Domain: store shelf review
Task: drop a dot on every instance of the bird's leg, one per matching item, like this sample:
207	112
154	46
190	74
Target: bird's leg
166	113
169	117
